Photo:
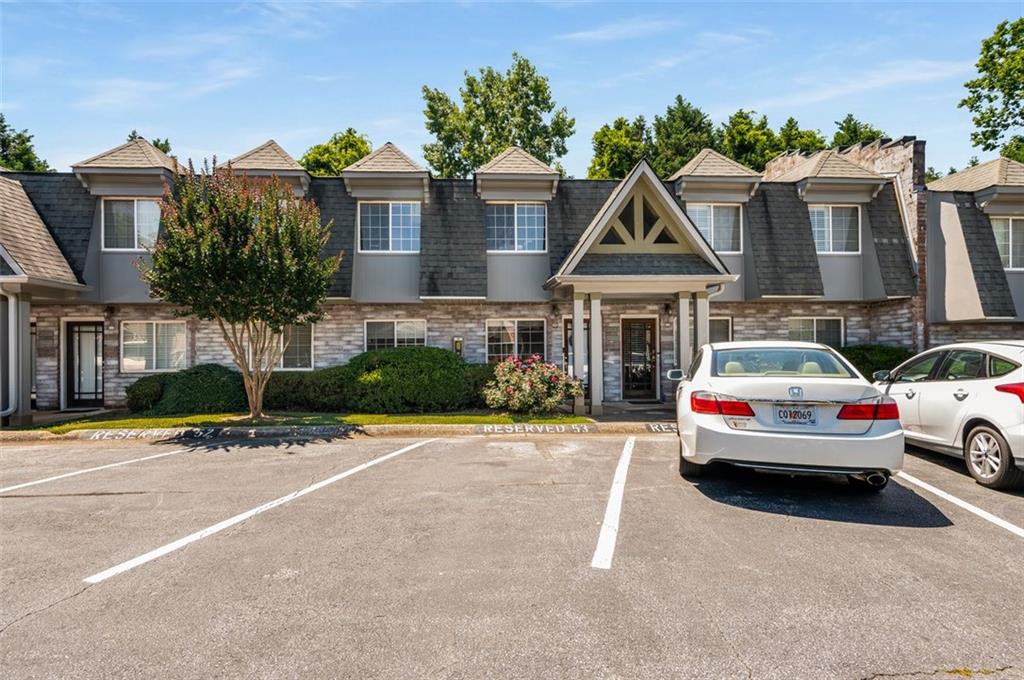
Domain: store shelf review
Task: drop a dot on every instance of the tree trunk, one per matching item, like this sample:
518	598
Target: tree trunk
256	349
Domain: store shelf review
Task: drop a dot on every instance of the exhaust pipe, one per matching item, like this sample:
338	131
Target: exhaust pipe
874	479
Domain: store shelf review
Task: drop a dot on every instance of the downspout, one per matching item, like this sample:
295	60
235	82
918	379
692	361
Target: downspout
12	349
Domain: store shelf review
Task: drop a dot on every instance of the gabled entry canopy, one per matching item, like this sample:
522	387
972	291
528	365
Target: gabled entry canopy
641	241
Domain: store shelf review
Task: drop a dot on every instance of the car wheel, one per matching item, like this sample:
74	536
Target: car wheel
989	461
686	468
861	484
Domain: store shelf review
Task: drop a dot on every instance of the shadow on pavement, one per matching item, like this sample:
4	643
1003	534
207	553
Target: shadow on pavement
287	443
956	464
819	497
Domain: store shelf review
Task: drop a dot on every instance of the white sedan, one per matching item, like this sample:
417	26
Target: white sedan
966	400
795	407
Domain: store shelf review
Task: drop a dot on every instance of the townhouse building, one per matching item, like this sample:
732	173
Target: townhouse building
618	281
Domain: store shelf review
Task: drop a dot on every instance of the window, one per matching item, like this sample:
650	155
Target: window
298	348
520	338
998	366
386	334
836	228
520	227
1010	241
130	224
963	364
824	330
152	346
389	227
770	362
719	329
719	225
918	369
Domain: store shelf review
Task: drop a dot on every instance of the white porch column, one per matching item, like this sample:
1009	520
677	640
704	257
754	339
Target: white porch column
18	359
579	348
701	316
684	343
596	356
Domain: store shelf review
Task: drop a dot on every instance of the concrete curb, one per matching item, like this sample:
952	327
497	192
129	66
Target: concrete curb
336	432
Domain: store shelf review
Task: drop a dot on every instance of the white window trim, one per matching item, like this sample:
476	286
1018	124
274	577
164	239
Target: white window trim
394	330
515	229
515	337
135	223
816	319
312	350
155	323
860	229
710	319
389	250
1010	219
712	206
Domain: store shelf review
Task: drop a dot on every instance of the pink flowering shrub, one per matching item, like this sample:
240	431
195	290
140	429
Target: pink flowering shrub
529	386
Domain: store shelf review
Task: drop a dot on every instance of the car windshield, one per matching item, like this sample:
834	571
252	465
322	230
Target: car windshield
779	361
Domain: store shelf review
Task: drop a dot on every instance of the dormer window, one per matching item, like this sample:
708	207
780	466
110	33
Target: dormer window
719	225
389	227
836	228
517	227
130	224
1009	234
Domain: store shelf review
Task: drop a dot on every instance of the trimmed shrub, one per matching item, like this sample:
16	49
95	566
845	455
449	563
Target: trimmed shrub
329	389
476	377
288	391
406	380
145	393
870	358
206	388
530	386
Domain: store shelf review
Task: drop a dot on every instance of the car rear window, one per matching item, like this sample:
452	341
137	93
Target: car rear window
779	361
999	366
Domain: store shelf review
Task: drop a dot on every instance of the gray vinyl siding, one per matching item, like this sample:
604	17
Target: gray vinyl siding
385	277
517	277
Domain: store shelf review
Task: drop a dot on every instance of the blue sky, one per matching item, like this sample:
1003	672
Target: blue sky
218	78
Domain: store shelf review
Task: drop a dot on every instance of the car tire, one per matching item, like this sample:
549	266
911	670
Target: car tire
688	469
989	460
861	485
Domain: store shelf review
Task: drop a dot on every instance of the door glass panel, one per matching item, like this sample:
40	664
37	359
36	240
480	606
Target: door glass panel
963	365
919	369
85	364
638	359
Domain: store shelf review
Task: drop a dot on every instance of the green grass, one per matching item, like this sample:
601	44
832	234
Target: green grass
138	422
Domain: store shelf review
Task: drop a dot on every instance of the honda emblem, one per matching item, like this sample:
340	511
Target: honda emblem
796	392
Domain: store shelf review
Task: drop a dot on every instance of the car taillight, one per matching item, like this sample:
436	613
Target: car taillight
709	402
1013	388
881	409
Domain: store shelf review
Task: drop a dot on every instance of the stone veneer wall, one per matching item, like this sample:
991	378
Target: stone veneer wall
339	336
946	333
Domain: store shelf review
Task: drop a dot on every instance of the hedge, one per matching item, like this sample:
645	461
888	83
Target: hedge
145	393
206	388
870	358
405	380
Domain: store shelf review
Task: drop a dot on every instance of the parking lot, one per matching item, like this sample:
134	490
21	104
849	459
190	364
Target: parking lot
494	556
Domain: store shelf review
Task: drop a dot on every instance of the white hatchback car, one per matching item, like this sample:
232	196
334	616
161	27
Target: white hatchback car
795	407
966	400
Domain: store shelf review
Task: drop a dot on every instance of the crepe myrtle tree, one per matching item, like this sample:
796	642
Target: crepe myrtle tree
246	253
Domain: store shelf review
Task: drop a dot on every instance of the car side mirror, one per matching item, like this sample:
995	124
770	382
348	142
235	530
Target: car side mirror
882	376
675	374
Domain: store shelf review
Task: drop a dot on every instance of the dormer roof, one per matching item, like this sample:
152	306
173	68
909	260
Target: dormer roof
386	159
135	154
267	156
516	161
26	245
998	172
710	163
828	165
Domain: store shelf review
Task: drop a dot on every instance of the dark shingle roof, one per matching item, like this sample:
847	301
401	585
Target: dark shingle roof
26	239
336	204
570	213
989	275
649	264
781	241
891	244
67	210
453	245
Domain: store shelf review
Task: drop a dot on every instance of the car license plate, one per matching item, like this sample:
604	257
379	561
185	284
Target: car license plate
790	414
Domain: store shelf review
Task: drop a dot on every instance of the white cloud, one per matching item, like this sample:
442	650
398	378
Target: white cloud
820	88
638	27
118	94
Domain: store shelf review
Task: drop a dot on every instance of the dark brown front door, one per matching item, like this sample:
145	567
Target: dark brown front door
84	364
639	359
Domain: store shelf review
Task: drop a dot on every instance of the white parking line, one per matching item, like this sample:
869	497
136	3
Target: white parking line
998	521
610	527
231	521
92	469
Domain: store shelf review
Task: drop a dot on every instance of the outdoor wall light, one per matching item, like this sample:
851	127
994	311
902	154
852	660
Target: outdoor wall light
457	345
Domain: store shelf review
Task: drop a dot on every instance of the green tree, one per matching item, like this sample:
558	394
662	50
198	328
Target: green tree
749	140
243	252
498	110
1014	149
618	147
851	131
162	144
791	136
996	96
17	152
680	135
931	174
337	153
